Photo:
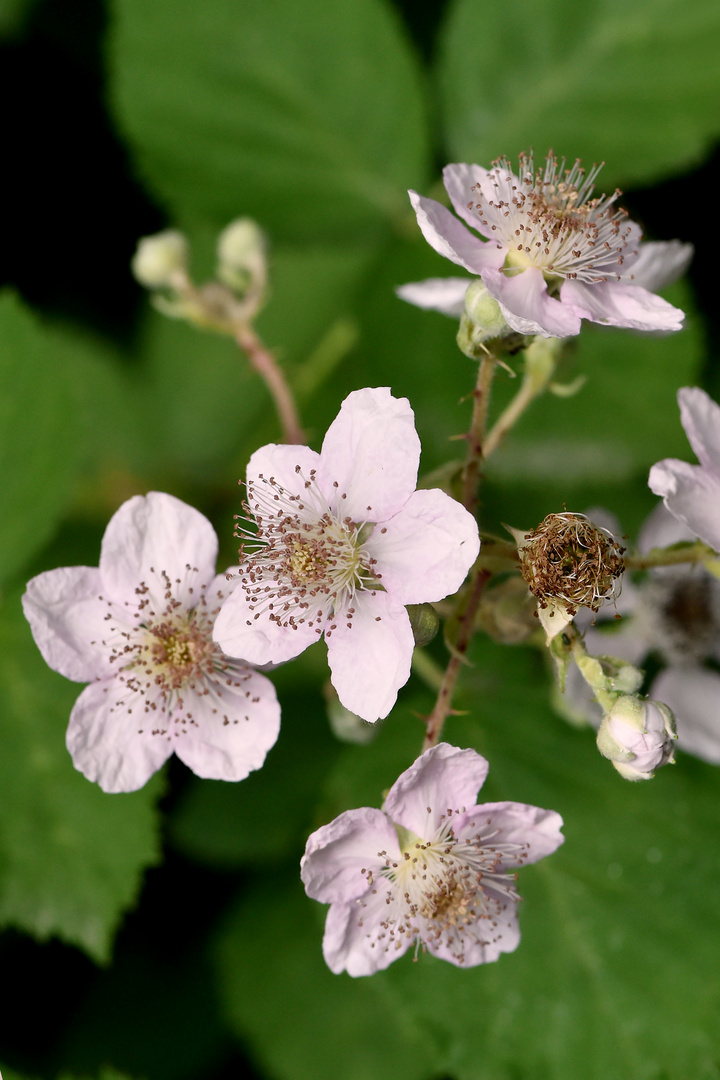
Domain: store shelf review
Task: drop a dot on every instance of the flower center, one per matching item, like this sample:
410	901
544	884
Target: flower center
303	563
548	219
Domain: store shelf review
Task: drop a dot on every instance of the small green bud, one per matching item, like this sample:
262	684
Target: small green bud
242	257
481	321
424	621
345	725
158	259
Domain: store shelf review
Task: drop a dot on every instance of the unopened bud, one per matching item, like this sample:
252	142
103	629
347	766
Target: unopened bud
241	251
158	259
424	621
637	736
481	321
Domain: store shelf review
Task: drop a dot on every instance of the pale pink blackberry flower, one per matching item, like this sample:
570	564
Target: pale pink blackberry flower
431	870
138	629
552	255
343	542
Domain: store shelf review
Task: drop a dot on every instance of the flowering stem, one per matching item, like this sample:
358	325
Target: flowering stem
698	552
263	361
476	434
443	703
541	357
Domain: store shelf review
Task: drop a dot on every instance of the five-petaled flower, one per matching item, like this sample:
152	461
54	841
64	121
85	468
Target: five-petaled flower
553	255
692	492
431	869
138	628
343	543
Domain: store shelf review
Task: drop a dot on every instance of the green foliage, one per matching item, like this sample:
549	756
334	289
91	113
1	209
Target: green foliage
634	86
72	857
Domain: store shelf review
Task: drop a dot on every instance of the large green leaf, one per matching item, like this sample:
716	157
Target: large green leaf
307	116
635	85
72	857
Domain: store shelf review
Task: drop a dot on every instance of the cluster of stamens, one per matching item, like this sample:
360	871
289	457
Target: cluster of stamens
166	658
569	559
302	563
444	892
548	219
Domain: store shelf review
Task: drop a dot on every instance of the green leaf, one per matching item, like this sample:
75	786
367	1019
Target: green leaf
616	972
306	116
72	857
634	85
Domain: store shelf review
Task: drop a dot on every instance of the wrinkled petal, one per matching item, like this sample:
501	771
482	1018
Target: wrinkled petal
701	419
113	741
68	621
355	940
370	456
229	737
370	660
693	694
659	264
692	495
534	830
617	304
339	856
153	534
485	941
450	238
444	779
253	636
288	466
524	301
425	551
436	294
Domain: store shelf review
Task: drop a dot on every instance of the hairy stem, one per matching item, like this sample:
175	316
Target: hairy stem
263	361
476	434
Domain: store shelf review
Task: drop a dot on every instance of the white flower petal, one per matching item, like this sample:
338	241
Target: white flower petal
113	741
425	551
451	239
524	301
700	417
692	495
370	660
460	179
242	632
68	621
339	856
370	456
230	737
661	529
289	465
155	534
535	829
693	694
659	263
443	778
484	942
617	304
359	938
446	295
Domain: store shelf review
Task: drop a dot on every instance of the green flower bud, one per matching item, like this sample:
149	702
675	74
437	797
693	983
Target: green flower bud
159	258
424	621
481	321
242	257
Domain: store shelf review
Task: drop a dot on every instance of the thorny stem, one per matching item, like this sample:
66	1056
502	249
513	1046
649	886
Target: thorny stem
263	361
476	434
443	703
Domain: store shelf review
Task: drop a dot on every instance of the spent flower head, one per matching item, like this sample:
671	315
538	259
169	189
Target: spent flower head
337	543
138	629
553	253
431	870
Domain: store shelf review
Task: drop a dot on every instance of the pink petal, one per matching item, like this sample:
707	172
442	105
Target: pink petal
370	660
231	736
254	637
426	550
524	301
692	494
436	294
459	180
450	238
659	264
617	304
155	533
483	942
693	694
537	830
443	780
282	463
370	456
356	940
701	419
68	621
339	856
111	738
